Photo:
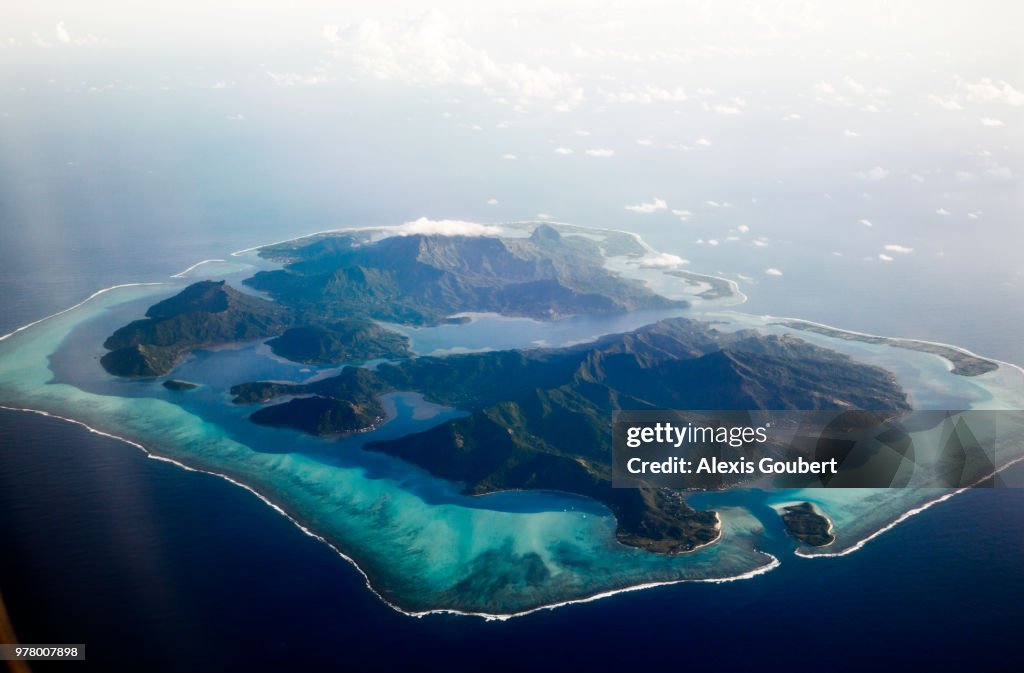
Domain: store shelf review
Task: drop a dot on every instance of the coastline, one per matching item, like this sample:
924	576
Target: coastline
904	516
771	564
780	507
182	274
487	616
961	349
73	307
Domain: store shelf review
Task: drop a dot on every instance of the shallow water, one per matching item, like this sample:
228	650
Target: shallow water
422	545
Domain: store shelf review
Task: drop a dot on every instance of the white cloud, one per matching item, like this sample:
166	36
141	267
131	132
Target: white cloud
942	211
683	215
296	79
601	152
428	51
430	227
712	241
772	272
1001	172
949	103
663	259
991	121
509	157
901	249
874	175
492	202
704	142
989	91
63	36
855	86
330	33
545	216
850	134
647	95
885	258
837	254
866	223
644	142
726	109
564	151
743	228
985	91
761	243
648	206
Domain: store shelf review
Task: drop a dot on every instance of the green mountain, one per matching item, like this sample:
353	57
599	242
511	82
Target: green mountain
421	279
204	314
541	419
347	340
332	289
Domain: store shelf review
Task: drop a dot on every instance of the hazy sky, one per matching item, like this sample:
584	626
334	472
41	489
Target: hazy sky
762	140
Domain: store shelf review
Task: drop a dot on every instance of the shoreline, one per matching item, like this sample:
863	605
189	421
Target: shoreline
780	507
486	616
182	274
904	516
961	349
773	563
73	307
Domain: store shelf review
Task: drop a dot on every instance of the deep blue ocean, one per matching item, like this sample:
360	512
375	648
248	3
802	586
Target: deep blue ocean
159	569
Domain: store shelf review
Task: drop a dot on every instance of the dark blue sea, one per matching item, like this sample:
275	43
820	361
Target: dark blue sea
158	569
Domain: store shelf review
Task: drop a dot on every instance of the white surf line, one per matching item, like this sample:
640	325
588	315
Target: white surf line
961	349
500	617
946	496
71	308
238	253
771	565
906	515
195	266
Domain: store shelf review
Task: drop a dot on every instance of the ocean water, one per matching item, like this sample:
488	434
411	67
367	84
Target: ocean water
470	640
183	571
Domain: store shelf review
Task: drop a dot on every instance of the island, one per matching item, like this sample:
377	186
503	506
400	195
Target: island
420	279
963	362
537	418
804	522
204	314
346	340
332	288
541	418
180	386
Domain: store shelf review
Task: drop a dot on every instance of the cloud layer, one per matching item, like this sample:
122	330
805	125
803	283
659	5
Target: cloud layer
430	227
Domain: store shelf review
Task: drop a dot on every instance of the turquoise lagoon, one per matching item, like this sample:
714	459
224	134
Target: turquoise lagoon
422	546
